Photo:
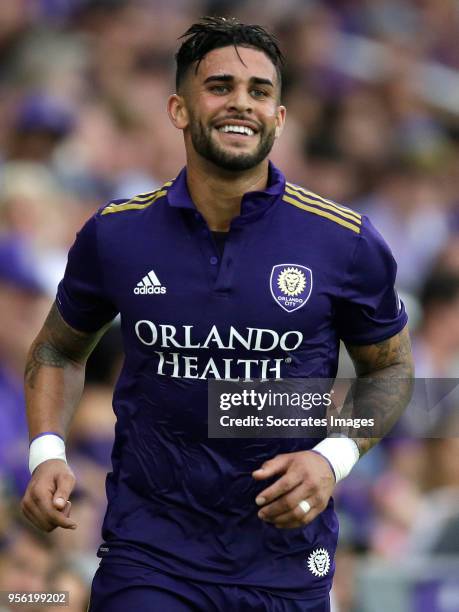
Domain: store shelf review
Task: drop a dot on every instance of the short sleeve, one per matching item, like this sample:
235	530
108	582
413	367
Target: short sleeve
81	297
369	309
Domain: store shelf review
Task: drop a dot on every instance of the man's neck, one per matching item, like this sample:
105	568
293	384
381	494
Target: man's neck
217	193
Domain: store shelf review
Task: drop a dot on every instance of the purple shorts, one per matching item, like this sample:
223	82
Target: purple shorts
119	587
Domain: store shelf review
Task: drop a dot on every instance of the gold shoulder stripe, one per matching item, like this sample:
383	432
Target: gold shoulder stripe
313	202
141	198
313	198
134	204
144	196
322	213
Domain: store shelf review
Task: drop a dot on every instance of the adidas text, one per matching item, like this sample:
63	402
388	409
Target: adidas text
149	290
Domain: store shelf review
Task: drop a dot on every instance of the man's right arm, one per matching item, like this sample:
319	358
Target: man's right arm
54	381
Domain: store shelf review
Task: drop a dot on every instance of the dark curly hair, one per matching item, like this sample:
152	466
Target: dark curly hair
216	32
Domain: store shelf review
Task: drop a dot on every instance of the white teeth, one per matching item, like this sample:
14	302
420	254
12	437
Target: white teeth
238	129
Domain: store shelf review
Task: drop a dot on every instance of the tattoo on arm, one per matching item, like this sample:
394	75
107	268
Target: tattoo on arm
58	345
383	386
41	354
395	351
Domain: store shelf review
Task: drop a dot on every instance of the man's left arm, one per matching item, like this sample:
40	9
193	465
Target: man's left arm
383	385
388	367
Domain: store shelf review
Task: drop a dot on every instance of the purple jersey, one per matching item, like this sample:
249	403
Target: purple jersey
298	273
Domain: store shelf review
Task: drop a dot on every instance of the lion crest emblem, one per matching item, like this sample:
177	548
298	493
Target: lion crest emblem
319	562
291	285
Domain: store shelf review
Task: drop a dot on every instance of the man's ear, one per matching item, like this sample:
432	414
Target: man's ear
280	120
177	111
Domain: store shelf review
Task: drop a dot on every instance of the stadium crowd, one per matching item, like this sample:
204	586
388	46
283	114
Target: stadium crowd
372	93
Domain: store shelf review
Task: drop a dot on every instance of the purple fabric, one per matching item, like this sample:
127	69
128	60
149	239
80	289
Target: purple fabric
179	501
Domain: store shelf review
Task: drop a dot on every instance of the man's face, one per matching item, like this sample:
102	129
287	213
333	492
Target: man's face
232	106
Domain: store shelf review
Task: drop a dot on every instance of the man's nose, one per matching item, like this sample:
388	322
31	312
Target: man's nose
240	100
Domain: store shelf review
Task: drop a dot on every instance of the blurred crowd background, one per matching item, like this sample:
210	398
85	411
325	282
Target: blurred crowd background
372	93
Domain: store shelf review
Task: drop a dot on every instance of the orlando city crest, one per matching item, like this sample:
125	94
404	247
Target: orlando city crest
290	285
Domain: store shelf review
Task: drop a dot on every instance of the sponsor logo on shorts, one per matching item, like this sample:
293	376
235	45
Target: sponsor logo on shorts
319	562
150	285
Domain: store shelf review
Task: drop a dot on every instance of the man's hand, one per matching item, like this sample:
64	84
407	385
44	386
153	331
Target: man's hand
46	501
305	476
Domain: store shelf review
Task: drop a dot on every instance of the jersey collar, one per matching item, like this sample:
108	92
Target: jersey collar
254	203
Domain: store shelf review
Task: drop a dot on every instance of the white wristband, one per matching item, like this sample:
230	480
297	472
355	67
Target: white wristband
341	453
44	447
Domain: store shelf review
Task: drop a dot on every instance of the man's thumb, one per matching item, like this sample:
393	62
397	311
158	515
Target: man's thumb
59	501
63	490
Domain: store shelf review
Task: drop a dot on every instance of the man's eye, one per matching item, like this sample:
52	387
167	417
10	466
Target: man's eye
258	93
219	89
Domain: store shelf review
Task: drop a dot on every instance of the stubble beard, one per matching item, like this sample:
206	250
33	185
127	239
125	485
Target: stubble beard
207	147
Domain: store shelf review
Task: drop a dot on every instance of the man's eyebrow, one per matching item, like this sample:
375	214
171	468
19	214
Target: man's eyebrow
260	81
219	77
227	78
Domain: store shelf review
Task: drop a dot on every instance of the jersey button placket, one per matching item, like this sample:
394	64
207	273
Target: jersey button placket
207	246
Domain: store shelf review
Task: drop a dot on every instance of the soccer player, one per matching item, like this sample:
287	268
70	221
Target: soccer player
226	272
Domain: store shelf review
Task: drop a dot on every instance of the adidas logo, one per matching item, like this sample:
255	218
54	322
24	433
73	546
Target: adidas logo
149	285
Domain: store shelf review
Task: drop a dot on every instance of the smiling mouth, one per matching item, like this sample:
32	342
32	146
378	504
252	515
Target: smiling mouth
239	130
